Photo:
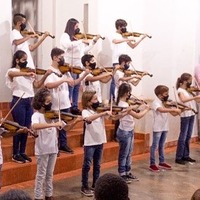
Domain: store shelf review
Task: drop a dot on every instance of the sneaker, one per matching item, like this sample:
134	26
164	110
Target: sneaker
92	187
87	192
66	149
154	168
26	158
180	161
188	159
18	159
131	176
126	179
164	166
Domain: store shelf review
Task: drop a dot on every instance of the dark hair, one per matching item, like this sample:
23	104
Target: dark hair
69	29
124	58
15	194
18	55
40	97
120	23
182	78
111	187
196	195
160	89
56	52
124	88
86	57
86	97
18	17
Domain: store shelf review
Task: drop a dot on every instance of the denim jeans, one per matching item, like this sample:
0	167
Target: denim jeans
125	139
158	142
183	149
91	153
112	85
44	176
22	115
74	92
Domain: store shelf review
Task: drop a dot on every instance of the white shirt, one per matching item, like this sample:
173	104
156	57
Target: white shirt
92	86
118	49
191	104
16	35
160	120
95	133
117	76
127	122
61	92
20	84
47	140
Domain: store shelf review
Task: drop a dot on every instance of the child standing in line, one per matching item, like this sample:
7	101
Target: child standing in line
187	118
125	133
160	126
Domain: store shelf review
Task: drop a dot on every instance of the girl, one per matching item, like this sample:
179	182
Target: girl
125	133
74	50
187	119
22	84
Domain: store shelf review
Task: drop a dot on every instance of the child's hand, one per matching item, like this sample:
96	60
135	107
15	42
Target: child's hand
70	81
31	74
87	71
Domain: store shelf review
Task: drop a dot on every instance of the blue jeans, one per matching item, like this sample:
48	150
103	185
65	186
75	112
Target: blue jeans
62	139
125	139
112	85
74	92
91	153
183	149
158	142
22	115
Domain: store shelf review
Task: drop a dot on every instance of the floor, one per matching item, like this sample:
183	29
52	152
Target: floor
176	184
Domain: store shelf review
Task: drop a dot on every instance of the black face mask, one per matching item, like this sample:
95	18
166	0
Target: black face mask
92	65
126	66
61	62
22	64
22	26
47	107
76	31
123	30
95	105
165	98
189	84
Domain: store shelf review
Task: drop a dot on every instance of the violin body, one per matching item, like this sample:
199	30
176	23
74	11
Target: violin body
134	34
38	33
67	68
66	117
80	36
130	72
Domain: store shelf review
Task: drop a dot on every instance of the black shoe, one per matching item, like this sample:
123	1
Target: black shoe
180	161
18	159
188	159
87	192
66	149
76	111
133	177
126	179
26	158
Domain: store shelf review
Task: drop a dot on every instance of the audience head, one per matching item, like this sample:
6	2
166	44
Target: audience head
196	195
15	194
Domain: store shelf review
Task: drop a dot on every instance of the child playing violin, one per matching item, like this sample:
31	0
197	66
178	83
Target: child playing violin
187	118
160	127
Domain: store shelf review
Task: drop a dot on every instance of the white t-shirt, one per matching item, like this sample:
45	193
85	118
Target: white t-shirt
118	49
92	86
61	92
74	50
16	35
117	76
160	120
20	84
191	104
47	140
95	133
127	122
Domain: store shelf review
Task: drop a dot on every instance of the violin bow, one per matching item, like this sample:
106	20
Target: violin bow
101	65
111	103
32	28
175	97
196	82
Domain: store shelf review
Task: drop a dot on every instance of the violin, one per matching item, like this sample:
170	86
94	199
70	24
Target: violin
130	72
115	109
134	34
38	33
193	89
73	69
97	71
38	71
80	36
133	101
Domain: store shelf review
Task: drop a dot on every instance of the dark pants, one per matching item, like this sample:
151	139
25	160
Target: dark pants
22	115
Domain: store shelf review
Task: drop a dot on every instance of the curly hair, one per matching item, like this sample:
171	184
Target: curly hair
15	194
39	98
111	187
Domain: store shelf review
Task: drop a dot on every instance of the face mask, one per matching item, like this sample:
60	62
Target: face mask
76	31
92	65
22	26
129	96
188	84
22	64
47	107
123	30
95	105
61	61
126	66
165	98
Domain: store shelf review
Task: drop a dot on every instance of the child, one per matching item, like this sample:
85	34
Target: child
187	119
22	85
160	126
125	133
